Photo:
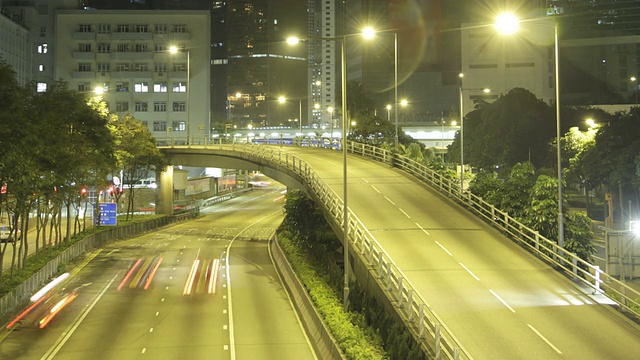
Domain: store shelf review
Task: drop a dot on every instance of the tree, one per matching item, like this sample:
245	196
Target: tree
136	153
513	195
542	214
515	128
579	236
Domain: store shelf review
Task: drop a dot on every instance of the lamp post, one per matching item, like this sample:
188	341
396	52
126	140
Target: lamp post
635	87
369	33
174	50
345	220
460	92
330	110
508	24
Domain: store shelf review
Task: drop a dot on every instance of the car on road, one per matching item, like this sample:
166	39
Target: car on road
6	235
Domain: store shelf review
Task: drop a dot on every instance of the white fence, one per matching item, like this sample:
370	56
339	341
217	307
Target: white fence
419	316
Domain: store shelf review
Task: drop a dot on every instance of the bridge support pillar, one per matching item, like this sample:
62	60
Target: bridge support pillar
164	191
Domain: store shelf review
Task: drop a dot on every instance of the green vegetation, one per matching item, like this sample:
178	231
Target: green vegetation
54	145
36	263
315	252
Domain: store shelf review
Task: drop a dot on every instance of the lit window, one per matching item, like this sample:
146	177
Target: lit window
179	87
42	49
141	87
160	87
41	87
40	67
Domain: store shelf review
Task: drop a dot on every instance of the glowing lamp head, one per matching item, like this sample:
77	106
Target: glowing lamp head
507	23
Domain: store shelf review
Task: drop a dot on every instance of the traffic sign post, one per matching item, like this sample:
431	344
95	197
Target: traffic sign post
107	214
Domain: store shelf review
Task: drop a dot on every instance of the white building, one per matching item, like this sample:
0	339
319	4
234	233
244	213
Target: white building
126	53
500	63
16	45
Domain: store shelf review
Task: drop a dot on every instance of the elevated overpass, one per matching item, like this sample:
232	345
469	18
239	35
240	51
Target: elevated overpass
465	288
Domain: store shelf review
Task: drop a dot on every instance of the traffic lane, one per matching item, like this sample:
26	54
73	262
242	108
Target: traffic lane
266	324
463	303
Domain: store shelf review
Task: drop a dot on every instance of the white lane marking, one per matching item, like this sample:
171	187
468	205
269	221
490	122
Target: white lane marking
151	330
232	341
374	188
444	248
389	200
112	251
544	338
157	313
226	347
67	334
469	271
224	311
405	214
502	301
161	300
144	350
423	230
224	327
365	180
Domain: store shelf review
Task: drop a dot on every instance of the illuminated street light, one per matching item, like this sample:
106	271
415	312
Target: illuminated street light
507	24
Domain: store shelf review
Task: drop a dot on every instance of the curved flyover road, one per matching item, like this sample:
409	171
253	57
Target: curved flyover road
500	301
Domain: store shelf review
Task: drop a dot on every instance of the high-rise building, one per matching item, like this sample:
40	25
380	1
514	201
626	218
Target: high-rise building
126	54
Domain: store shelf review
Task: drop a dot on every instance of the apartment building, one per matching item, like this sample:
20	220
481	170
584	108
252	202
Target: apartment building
126	54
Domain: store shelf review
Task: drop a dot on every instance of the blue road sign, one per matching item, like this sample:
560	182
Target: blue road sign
108	214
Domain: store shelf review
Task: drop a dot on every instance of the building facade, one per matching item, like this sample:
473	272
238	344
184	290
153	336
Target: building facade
127	55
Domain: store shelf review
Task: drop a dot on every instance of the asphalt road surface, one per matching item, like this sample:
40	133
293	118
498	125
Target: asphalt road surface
500	301
194	305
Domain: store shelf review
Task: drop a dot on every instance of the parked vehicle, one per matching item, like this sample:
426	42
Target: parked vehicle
6	235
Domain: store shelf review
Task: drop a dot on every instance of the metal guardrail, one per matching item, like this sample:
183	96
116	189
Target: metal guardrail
418	315
23	291
420	318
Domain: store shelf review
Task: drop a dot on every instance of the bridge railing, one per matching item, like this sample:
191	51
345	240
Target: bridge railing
418	315
580	270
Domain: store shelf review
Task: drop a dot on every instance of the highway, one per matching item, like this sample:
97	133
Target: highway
500	301
194	305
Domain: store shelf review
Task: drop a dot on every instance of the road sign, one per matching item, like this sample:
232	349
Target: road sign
108	214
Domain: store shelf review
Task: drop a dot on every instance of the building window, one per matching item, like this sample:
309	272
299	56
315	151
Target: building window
179	87
84	28
103	67
141	106
122	47
43	29
141	28
84	86
42	49
160	106
179	126
122	87
179	106
104	48
41	87
84	67
160	87
104	28
141	87
160	67
161	28
180	67
105	87
159	126
123	28
140	47
122	106
140	67
40	67
160	47
122	67
179	28
84	47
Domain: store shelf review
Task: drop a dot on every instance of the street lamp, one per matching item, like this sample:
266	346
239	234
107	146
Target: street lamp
174	50
508	24
369	33
282	100
460	91
345	208
389	113
635	87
